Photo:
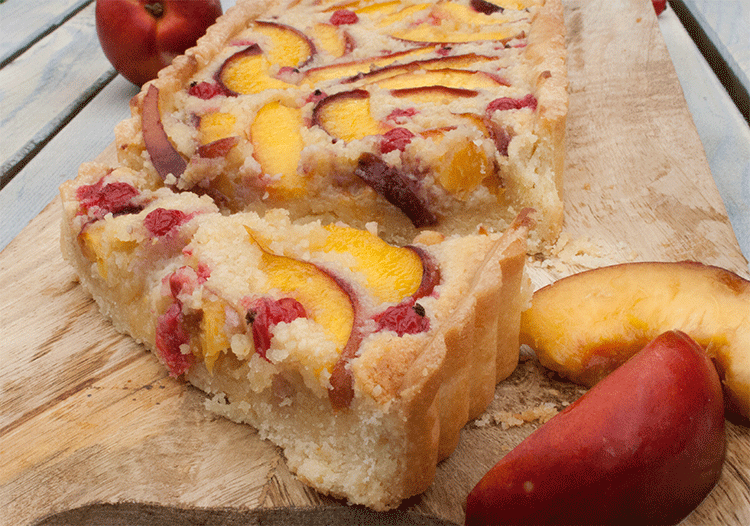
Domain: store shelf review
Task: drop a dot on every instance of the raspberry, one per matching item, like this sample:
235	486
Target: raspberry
170	336
160	222
205	90
405	318
265	312
112	198
395	139
507	103
344	17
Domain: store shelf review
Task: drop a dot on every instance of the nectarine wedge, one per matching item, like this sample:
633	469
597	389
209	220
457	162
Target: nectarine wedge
275	134
585	325
643	446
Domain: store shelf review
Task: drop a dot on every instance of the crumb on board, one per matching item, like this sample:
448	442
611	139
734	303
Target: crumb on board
505	419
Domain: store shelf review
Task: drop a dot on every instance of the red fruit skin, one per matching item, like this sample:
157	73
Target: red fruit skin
659	6
643	446
139	44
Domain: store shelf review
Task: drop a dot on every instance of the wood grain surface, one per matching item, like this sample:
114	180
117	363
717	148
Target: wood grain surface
89	416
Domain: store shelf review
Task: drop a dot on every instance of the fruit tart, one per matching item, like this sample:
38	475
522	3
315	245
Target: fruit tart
445	115
361	359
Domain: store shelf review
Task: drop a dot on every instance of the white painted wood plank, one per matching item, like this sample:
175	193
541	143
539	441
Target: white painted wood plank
723	131
23	22
85	137
48	79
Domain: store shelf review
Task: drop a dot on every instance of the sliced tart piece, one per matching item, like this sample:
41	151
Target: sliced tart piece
325	338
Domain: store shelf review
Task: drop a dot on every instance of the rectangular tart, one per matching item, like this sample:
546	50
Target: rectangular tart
447	115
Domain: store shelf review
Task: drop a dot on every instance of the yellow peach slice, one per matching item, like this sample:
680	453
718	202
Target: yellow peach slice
247	72
587	324
330	39
213	337
322	296
216	125
466	61
394	17
277	141
346	115
448	77
447	34
289	47
98	247
315	76
392	273
463	168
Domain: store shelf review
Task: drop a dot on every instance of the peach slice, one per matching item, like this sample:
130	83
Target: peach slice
332	40
247	72
392	273
463	168
448	77
213	337
315	76
324	297
165	158
466	61
346	115
288	46
277	141
216	125
434	94
396	187
586	325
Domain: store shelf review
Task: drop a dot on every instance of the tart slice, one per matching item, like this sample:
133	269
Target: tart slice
435	114
362	360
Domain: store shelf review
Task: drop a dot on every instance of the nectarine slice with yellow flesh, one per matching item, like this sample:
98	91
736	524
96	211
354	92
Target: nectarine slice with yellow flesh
213	337
392	273
448	77
288	46
447	34
463	168
394	17
323	298
330	39
247	72
439	95
462	62
96	249
346	115
585	325
277	141
216	125
314	76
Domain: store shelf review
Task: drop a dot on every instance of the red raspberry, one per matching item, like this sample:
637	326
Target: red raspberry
395	139
343	17
170	335
161	221
114	197
205	90
507	103
265	312
405	318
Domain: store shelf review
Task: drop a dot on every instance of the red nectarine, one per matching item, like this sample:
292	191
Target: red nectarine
140	37
643	446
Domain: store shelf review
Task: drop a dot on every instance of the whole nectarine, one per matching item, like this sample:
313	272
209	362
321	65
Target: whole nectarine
643	446
140	37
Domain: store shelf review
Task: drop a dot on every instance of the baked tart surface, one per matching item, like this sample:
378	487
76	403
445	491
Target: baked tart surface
321	217
441	115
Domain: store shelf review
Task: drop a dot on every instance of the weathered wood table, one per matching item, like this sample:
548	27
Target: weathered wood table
89	417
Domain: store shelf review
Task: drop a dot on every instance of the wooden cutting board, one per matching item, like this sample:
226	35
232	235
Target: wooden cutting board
89	416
